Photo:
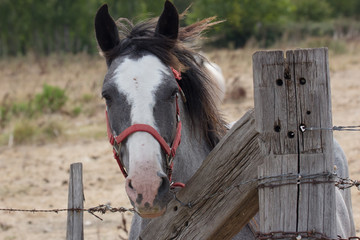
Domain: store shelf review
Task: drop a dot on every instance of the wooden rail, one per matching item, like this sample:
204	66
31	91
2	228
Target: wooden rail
215	214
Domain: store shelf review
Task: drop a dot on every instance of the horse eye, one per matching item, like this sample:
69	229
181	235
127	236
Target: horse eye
174	92
107	98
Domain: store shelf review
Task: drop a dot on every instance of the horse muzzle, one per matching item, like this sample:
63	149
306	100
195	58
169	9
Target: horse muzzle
150	213
150	196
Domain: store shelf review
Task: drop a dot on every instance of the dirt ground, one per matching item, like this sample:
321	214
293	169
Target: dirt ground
35	176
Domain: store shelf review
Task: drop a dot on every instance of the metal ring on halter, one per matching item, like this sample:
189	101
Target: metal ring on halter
169	160
117	148
182	95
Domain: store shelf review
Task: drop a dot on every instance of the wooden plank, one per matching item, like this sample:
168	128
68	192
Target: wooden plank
312	79
75	201
274	103
218	210
275	114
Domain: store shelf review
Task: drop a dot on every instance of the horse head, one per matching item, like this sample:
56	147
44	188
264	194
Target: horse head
141	94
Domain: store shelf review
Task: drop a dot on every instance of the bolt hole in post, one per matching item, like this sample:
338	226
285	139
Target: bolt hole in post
302	81
291	134
279	82
277	128
175	208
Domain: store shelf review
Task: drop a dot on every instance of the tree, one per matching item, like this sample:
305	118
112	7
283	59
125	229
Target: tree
244	18
348	8
310	10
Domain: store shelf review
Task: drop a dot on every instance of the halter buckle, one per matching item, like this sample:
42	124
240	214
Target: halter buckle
182	94
117	148
169	160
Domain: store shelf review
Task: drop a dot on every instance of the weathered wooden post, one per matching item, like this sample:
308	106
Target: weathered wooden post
291	94
75	229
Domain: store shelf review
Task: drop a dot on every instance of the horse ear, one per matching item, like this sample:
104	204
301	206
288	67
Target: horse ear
168	24
105	28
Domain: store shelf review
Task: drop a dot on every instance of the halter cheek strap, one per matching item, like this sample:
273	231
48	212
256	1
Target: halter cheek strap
170	152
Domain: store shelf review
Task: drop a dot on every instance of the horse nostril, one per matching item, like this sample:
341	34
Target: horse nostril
130	185
164	186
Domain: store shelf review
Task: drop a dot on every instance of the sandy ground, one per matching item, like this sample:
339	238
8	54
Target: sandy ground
36	176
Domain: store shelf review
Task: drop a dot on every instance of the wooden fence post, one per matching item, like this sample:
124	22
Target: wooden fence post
75	229
291	94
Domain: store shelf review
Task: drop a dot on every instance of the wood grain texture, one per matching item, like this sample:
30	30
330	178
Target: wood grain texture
75	229
290	92
234	160
312	78
275	113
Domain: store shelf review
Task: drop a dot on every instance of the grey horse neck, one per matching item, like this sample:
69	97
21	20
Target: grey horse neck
192	151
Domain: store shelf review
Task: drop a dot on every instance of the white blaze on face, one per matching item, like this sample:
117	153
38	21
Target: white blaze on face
139	79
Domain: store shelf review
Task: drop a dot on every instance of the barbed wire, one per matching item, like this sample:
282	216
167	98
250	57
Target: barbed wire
281	180
268	181
298	236
292	178
303	128
103	208
345	183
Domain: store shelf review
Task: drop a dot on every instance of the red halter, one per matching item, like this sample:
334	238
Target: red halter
170	152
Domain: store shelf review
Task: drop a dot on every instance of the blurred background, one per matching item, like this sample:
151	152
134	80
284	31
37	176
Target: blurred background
66	26
52	114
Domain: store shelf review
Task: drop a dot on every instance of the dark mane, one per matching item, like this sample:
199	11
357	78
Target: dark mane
180	55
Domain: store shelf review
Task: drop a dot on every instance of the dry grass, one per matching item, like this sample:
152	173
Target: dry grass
81	77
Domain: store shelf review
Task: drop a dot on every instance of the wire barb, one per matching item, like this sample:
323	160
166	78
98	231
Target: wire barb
103	208
298	235
334	128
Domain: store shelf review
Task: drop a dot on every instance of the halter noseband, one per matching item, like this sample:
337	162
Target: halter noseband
170	152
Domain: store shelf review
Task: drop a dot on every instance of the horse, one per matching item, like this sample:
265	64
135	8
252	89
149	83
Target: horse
217	77
161	117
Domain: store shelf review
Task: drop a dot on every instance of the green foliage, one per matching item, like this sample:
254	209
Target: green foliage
245	18
335	46
267	21
4	115
23	108
51	130
76	111
302	30
24	132
310	10
67	26
51	99
348	8
46	26
87	97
